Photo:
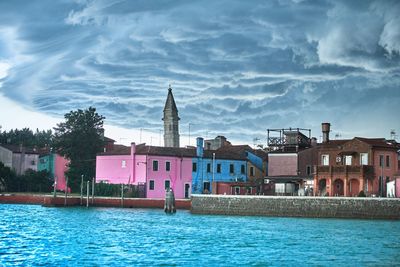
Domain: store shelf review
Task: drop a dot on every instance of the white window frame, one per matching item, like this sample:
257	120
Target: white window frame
154	185
348	159
123	164
249	189
252	173
325	159
235	190
363	158
158	166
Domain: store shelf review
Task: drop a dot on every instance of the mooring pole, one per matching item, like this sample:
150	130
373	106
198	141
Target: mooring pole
81	189
93	183
66	192
87	194
122	195
55	187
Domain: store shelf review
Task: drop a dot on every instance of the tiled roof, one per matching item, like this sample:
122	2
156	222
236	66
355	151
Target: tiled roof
117	150
227	152
17	149
378	142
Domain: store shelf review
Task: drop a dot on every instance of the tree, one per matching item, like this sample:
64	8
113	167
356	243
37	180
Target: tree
79	139
7	178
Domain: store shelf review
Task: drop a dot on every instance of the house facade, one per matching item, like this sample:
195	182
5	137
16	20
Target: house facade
56	165
228	169
290	162
156	168
347	167
19	158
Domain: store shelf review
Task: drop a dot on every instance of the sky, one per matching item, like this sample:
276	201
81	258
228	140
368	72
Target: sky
237	68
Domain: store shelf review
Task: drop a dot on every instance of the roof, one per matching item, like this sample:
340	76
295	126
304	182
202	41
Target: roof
19	149
227	152
117	150
170	102
374	142
106	139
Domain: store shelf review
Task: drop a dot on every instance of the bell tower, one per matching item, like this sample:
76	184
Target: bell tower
171	121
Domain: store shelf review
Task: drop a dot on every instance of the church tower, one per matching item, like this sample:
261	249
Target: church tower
171	122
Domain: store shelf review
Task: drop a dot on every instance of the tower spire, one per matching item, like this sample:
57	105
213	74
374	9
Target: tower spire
171	121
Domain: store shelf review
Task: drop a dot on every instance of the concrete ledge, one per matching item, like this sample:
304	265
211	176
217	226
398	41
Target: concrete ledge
282	206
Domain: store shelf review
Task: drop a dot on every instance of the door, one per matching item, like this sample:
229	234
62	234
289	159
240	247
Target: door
187	190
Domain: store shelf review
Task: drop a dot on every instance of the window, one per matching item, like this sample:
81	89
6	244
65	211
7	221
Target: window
151	185
380	160
347	160
194	167
251	171
167	184
363	158
249	190
237	190
387	161
231	168
33	162
325	160
208	167
42	161
242	169
167	166
219	168
308	170
123	164
155	165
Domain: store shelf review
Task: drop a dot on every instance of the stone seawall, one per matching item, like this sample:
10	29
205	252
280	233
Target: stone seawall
317	207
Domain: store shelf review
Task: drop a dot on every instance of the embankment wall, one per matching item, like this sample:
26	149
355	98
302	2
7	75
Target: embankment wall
317	207
49	200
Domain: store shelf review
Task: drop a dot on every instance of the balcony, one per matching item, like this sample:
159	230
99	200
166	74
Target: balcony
365	170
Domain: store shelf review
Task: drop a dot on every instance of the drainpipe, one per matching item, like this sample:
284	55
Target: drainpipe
133	157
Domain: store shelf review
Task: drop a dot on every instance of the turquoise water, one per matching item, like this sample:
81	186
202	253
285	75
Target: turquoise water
38	236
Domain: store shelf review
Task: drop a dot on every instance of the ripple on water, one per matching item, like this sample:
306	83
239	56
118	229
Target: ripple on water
33	236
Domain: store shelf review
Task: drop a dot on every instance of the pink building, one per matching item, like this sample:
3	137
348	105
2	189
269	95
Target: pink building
157	168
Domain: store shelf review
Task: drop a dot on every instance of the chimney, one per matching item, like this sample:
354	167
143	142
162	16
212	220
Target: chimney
199	147
313	142
326	128
133	148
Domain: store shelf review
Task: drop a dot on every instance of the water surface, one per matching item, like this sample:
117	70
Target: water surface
34	236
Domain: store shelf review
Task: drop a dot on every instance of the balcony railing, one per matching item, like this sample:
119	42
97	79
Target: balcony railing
364	169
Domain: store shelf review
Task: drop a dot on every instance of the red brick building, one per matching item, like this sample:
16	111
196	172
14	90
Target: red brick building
346	167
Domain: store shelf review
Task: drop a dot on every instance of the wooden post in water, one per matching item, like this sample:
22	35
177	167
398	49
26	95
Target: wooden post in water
87	194
66	192
81	189
55	187
93	183
122	195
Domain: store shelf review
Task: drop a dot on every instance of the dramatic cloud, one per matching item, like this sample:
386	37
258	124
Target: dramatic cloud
236	67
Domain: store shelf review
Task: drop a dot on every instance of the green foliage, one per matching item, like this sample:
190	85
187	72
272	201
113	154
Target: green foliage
7	176
27	137
31	181
114	190
79	139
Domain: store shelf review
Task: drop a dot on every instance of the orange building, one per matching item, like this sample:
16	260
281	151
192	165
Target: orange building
347	167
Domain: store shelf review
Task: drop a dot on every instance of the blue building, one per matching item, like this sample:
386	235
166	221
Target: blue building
226	164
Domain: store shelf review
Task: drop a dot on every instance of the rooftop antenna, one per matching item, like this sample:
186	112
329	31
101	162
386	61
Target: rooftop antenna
393	134
338	136
255	141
